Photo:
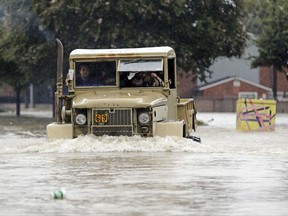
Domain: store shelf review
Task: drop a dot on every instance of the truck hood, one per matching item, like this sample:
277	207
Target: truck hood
133	99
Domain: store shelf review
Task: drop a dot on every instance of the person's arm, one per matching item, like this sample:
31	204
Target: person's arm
158	79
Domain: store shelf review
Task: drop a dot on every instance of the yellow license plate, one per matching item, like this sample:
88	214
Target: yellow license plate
101	118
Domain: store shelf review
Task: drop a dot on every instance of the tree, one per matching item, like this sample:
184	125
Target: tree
23	47
8	72
273	41
254	12
199	31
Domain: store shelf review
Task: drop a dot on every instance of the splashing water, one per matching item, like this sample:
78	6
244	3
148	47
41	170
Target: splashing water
219	137
229	173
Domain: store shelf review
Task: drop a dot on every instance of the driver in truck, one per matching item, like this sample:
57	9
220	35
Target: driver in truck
84	78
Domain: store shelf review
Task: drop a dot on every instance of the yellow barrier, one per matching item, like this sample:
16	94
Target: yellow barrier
255	115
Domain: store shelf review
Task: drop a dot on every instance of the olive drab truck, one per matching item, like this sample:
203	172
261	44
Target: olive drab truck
115	102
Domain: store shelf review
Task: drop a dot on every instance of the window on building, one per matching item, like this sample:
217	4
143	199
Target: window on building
248	95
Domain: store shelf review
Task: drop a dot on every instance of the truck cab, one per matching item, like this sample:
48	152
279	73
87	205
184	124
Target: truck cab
127	92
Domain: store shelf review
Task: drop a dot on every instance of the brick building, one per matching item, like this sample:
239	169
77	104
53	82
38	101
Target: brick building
233	78
233	88
221	95
266	79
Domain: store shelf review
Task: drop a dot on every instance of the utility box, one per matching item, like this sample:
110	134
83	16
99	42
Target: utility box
255	115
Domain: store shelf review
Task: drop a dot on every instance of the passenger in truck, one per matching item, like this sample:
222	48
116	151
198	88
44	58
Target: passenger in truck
83	77
146	79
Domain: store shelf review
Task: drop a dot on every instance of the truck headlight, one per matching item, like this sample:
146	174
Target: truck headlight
80	119
144	118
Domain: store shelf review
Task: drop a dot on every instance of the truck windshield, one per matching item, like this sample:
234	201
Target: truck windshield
139	65
102	73
141	73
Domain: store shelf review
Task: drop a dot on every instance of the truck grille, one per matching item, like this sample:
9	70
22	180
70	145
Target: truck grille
114	122
112	131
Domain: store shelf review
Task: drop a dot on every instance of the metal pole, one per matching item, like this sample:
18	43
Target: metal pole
31	96
275	82
274	66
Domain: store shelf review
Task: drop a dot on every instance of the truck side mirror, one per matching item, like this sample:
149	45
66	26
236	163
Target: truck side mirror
69	77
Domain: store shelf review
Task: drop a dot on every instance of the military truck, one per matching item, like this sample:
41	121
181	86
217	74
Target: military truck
115	101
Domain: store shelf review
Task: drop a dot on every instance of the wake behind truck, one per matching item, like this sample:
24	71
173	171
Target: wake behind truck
130	92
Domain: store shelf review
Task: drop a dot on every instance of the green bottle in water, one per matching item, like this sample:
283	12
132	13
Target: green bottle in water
58	194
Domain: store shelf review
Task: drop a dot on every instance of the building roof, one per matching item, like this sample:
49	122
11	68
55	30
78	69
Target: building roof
234	66
228	79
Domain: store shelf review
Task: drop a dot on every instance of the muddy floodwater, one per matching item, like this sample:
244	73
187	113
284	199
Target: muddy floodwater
229	173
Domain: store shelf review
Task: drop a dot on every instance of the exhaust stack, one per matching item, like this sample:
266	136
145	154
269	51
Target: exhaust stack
59	84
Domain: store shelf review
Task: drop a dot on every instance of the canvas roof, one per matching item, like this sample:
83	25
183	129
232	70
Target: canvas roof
164	51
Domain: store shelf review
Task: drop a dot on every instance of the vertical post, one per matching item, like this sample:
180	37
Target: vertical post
274	86
275	82
18	100
31	102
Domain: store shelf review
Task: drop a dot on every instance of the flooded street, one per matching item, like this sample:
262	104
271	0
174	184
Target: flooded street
229	173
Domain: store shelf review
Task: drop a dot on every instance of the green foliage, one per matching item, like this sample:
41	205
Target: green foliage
199	31
23	47
22	42
255	11
273	41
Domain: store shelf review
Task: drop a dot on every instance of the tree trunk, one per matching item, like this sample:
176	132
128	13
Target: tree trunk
18	101
275	71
